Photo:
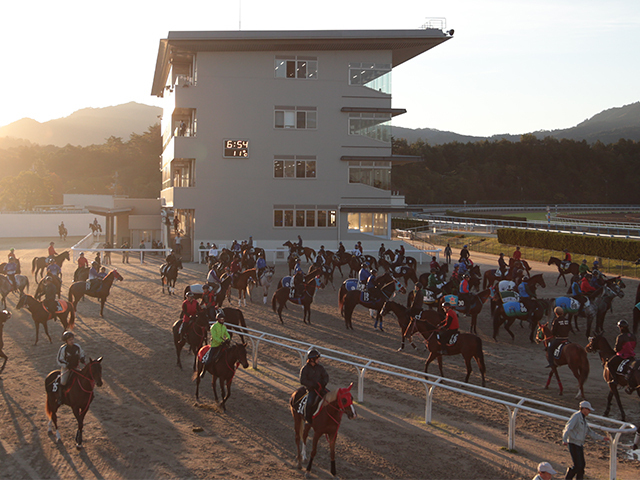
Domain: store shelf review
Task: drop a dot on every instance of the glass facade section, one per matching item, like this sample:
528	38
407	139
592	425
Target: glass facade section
373	125
374	174
296	67
371	223
376	76
306	218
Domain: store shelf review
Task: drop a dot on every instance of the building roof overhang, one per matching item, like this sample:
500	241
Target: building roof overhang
403	44
392	111
379	209
108	211
396	159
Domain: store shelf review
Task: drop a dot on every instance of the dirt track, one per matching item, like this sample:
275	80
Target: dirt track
141	422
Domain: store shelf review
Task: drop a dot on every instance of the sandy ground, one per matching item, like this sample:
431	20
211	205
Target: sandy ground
141	423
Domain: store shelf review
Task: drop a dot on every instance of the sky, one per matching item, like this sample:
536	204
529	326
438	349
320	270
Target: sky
513	66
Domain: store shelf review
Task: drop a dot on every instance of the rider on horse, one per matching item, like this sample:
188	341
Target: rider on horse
235	267
261	265
576	292
363	276
434	265
297	281
208	303
517	254
372	289
625	349
455	275
52	251
381	251
464	291
53	268
502	266
418	301
432	284
560	328
399	257
566	263
50	292
82	261
584	268
314	378
10	270
70	355
464	254
526	296
341	249
219	337
190	308
586	286
11	255
213	280
448	327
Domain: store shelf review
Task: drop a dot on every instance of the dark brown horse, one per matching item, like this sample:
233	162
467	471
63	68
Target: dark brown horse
241	283
474	308
348	300
195	336
600	344
467	344
39	264
169	275
4	316
224	369
515	272
572	355
41	316
78	394
573	269
282	296
325	422
308	253
78	290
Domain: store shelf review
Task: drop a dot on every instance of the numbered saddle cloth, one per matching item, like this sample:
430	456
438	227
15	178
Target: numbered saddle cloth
568	304
557	351
428	296
506	285
286	282
452	299
61	306
300	402
196	289
514	309
453	339
508	296
351	284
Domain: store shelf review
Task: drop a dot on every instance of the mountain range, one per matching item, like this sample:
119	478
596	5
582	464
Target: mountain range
91	126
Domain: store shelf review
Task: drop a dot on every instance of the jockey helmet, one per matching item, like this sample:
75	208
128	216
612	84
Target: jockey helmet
517	248
11	250
446	304
321	247
466	275
82	254
595	263
366	264
584	261
206	286
67	335
623	324
418	286
190	294
466	246
433	258
313	353
558	311
501	254
220	315
51	243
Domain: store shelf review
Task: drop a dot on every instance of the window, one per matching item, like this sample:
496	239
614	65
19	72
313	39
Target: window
373	125
372	223
376	76
296	67
304	217
295	117
294	166
179	173
375	174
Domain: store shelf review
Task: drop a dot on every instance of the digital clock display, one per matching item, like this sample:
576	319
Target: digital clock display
235	148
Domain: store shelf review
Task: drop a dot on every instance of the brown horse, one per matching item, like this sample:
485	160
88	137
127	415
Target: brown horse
325	422
169	275
573	269
78	394
41	315
467	344
599	344
515	272
241	283
308	253
348	300
572	355
282	296
224	369
195	336
39	264
4	316
78	290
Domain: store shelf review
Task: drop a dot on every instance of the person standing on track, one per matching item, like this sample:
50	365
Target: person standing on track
574	435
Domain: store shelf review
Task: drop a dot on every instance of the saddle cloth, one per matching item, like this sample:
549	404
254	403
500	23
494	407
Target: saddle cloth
568	304
61	307
429	297
557	352
452	299
506	285
508	297
301	404
196	289
401	270
351	284
453	339
514	309
286	282
626	366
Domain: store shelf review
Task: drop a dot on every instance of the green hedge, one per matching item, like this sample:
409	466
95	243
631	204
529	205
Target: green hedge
404	223
619	248
488	216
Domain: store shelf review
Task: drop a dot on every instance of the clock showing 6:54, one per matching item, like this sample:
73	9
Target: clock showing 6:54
235	148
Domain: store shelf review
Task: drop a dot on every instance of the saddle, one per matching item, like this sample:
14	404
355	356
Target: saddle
557	350
623	367
300	402
61	307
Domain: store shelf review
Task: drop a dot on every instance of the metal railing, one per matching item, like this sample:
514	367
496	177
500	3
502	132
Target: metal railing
512	403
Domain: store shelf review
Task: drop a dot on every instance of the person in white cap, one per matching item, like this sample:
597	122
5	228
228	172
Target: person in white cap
545	471
574	435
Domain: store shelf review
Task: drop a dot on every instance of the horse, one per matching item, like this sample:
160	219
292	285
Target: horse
96	229
78	394
264	281
18	267
7	287
241	283
169	274
406	273
39	264
340	259
513	273
404	321
508	317
62	231
41	315
473	310
600	344
466	344
349	299
325	422
598	306
573	269
81	274
308	253
195	336
78	290
281	297
571	354
42	285
4	316
224	369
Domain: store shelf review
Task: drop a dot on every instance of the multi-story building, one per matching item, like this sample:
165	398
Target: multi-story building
275	134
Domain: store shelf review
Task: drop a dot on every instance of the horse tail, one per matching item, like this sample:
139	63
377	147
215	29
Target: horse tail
70	295
273	300
47	406
72	316
27	283
33	264
480	356
584	367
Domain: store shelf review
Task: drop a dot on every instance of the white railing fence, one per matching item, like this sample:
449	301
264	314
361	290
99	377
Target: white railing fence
513	403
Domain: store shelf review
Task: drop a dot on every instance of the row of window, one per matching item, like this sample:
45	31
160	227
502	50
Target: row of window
304	218
294	166
374	223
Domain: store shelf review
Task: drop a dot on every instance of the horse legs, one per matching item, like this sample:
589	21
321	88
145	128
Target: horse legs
332	450
467	362
80	418
52	408
103	300
474	321
613	392
507	324
576	373
553	371
314	449
162	283
3	356
226	396
213	386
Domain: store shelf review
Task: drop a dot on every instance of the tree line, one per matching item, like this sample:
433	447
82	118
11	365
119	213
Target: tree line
33	175
531	170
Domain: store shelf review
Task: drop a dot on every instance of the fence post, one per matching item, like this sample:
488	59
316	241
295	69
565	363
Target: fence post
613	456
511	443
361	373
429	405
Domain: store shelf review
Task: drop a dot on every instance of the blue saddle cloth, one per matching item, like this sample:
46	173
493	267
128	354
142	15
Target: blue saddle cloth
569	305
364	299
515	309
351	284
286	282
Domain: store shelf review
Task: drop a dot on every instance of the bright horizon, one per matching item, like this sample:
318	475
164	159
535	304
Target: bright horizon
511	67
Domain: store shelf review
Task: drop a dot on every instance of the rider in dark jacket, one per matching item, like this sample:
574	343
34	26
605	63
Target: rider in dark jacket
314	378
560	328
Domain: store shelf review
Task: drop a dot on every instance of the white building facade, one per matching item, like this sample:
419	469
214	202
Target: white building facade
279	134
